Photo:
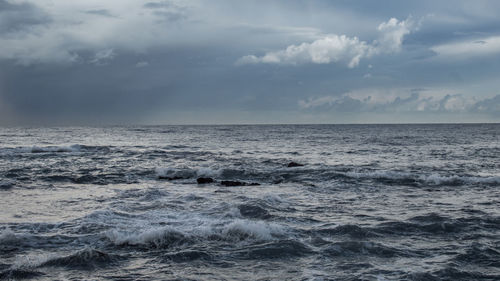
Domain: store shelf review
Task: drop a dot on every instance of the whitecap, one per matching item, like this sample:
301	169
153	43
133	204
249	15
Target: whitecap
42	149
254	229
155	236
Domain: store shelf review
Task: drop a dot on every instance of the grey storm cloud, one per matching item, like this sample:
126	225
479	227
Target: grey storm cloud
195	61
16	17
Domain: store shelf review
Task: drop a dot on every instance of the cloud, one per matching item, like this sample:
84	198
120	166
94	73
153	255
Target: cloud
15	17
411	101
392	34
338	48
141	64
29	48
100	12
51	52
470	48
158	5
332	48
103	57
61	33
488	105
167	10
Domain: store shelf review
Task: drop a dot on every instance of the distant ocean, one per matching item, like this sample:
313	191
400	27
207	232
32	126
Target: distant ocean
273	202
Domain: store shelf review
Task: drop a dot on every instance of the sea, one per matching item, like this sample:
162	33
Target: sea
251	202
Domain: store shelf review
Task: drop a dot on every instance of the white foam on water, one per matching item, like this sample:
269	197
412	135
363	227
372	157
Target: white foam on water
438	179
41	149
156	236
30	261
187	172
208	172
255	229
182	172
379	174
6	151
274	198
432	179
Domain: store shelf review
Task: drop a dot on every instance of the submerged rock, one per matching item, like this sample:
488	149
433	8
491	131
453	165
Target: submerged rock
294	164
204	180
238	183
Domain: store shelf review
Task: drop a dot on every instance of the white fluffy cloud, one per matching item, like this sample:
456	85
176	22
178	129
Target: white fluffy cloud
332	48
339	48
392	34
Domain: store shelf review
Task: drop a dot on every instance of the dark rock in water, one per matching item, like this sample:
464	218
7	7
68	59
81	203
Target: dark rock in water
294	164
238	183
204	180
232	183
170	178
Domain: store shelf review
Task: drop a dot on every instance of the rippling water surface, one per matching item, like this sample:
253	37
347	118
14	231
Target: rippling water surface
371	202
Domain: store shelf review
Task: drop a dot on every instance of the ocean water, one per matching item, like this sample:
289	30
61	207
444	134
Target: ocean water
371	202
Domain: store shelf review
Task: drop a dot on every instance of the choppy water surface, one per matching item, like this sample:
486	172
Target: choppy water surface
374	202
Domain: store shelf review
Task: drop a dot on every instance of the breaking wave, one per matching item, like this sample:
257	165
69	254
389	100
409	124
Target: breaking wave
168	236
75	148
158	238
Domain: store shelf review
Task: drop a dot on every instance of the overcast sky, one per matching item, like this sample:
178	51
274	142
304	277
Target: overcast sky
185	62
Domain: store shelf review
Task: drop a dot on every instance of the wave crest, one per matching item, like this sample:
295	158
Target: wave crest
233	230
158	238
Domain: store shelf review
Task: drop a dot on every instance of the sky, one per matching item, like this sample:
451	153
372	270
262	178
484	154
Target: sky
249	62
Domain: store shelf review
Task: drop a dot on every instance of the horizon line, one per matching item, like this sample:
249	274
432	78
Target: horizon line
240	124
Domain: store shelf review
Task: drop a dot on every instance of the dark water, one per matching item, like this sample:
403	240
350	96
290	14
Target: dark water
374	202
